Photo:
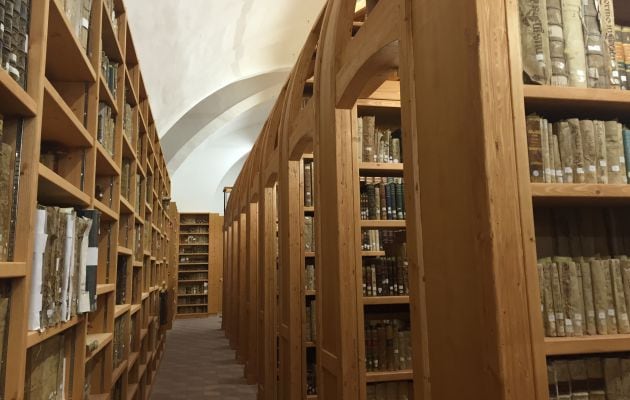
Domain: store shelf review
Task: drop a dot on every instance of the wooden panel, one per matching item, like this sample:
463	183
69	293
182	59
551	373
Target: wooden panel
251	368
587	345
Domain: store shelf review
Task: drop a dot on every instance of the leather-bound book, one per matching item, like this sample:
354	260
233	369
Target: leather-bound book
563	130
534	147
597	56
574	50
607	22
368	138
557	160
589	302
559	74
620	56
535	41
308	189
614	151
589	148
600	295
549	317
579	173
600	148
558	301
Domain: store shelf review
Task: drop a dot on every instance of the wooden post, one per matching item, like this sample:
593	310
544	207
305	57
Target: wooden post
251	368
463	200
242	351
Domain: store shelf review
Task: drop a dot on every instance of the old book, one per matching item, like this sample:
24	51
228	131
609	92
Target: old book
559	74
558	301
589	147
607	23
534	147
614	151
557	160
589	304
360	145
596	50
579	377
571	296
369	127
600	148
552	382
46	369
611	314
535	41
563	377
68	263
87	299
626	149
552	161
595	372
6	155
577	150
308	189
600	296
574	50
623	324
121	280
309	243
625	37
612	377
563	130
546	155
620	58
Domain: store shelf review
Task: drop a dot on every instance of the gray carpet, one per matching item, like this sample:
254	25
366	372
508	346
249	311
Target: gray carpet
199	364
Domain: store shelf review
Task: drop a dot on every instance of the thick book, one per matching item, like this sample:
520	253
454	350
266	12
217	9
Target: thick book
558	300
607	21
589	302
368	138
535	41
121	279
559	74
308	188
620	57
611	313
614	151
534	147
601	151
600	295
574	50
563	130
6	155
596	51
46	369
557	160
579	173
87	301
595	374
625	37
589	148
549	316
623	325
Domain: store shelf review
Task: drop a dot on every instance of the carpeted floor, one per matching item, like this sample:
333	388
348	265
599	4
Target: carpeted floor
199	364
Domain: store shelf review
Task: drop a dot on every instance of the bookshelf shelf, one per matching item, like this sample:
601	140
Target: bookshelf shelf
191	295
372	253
133	357
383	300
106	96
36	337
121	309
105	288
14	101
67	62
580	192
111	45
119	371
380	169
59	122
552	98
105	163
12	270
310	292
389	376
53	189
587	344
102	339
125	250
107	214
383	224
102	396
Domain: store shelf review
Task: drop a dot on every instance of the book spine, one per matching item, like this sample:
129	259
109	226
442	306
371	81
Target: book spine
607	23
596	51
566	150
620	57
308	190
614	152
578	151
534	147
589	306
6	155
623	325
558	303
534	41
557	161
589	147
602	155
559	75
574	50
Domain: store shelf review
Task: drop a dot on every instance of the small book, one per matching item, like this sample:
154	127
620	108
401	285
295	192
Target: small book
534	146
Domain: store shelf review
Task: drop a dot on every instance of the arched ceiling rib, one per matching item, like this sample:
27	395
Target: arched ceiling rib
212	70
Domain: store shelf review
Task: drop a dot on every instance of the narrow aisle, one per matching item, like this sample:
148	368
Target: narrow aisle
199	364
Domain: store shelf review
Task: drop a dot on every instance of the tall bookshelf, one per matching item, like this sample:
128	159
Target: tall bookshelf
65	123
200	268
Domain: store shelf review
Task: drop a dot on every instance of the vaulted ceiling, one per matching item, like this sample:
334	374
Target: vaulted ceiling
213	69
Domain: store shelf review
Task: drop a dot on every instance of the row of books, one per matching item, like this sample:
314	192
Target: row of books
63	275
309	283
385	276
309	183
106	131
192	309
310	323
194	249
194	230
193	288
194	239
378	239
192	300
382	198
192	276
376	143
6	160
78	13
389	391
387	345
577	151
14	18
594	378
110	73
193	259
309	233
120	340
194	220
572	43
585	297
188	268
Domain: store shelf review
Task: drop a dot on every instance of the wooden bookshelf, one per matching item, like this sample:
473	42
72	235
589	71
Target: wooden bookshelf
58	113
308	284
198	275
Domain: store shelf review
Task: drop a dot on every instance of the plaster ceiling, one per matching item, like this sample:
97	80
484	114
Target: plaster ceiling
213	69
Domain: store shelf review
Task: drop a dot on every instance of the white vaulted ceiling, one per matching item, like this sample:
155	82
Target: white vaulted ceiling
213	69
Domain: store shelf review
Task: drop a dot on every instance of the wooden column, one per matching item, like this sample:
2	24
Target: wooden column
234	292
267	295
215	244
463	200
242	352
251	370
291	221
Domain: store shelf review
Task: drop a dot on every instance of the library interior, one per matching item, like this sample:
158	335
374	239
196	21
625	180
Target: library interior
315	200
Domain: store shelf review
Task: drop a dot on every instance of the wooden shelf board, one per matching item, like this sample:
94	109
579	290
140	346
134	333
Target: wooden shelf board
192	280
191	315
189	244
143	333
381	169
106	96
139	219
138	264
103	340
66	60
193	254
107	214
102	396
124	250
133	357
128	150
309	345
610	101
59	123
142	369
12	270
105	288
111	46
199	271
372	254
586	192
587	344
379	103
121	309
192	305
119	371
389	376
375	223
145	295
195	263
125	206
310	293
135	308
105	164
53	189
36	337
309	209
132	389
14	101
309	254
381	300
